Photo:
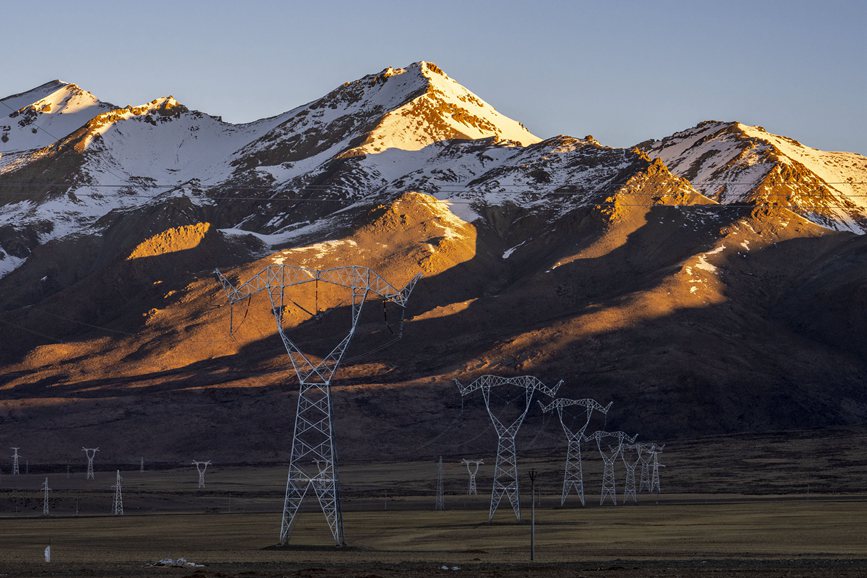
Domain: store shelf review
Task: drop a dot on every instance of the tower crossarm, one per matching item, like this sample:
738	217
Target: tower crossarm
590	405
528	382
612	440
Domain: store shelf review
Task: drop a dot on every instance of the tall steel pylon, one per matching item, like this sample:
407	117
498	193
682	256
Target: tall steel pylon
613	444
440	504
313	435
117	504
90	453
45	490
645	455
15	470
654	482
201	467
472	470
631	456
573	476
506	468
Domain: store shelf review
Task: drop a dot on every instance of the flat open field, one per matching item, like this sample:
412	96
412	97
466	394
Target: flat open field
793	508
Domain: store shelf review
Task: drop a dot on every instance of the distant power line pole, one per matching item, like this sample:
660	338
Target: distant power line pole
440	505
117	506
45	490
90	453
15	470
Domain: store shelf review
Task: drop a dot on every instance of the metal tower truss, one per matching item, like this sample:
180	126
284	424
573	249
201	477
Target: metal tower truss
312	438
15	469
654	481
45	490
645	455
440	503
631	456
117	504
610	444
506	468
90	453
573	477
201	467
472	470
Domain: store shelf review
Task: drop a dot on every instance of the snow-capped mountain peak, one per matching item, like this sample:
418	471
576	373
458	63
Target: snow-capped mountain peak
45	114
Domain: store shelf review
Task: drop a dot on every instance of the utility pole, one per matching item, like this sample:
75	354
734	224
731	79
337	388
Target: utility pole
313	434
532	514
440	505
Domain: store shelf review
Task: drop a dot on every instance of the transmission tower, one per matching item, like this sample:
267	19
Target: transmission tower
141	466
15	470
506	468
472	470
90	453
654	482
117	505
610	445
45	490
440	504
573	476
631	456
645	455
313	438
201	467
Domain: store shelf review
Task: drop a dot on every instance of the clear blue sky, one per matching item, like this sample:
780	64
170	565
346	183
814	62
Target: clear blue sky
621	70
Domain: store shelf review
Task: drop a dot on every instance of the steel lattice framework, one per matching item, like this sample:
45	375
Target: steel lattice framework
631	456
654	482
312	438
506	468
613	445
573	476
201	467
45	490
645	454
117	504
15	469
90	453
472	470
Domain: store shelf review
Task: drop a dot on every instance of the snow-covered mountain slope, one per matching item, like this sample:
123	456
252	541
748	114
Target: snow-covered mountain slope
44	115
737	163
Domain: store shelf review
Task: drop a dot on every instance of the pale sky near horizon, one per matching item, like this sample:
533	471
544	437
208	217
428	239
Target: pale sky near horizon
621	70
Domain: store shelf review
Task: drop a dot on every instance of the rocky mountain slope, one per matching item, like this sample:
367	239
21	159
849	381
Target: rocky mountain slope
735	163
696	309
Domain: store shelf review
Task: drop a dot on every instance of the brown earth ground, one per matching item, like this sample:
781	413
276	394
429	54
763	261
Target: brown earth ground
802	515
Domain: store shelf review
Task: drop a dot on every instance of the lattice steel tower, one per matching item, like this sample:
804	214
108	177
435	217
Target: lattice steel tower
613	444
90	453
45	490
201	467
117	504
15	470
573	476
506	468
654	482
645	455
472	470
631	456
312	438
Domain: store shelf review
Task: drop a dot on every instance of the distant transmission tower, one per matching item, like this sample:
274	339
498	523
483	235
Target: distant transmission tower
90	453
201	467
472	470
117	506
610	444
15	470
573	477
506	468
654	482
141	465
440	504
645	455
313	438
631	457
45	490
